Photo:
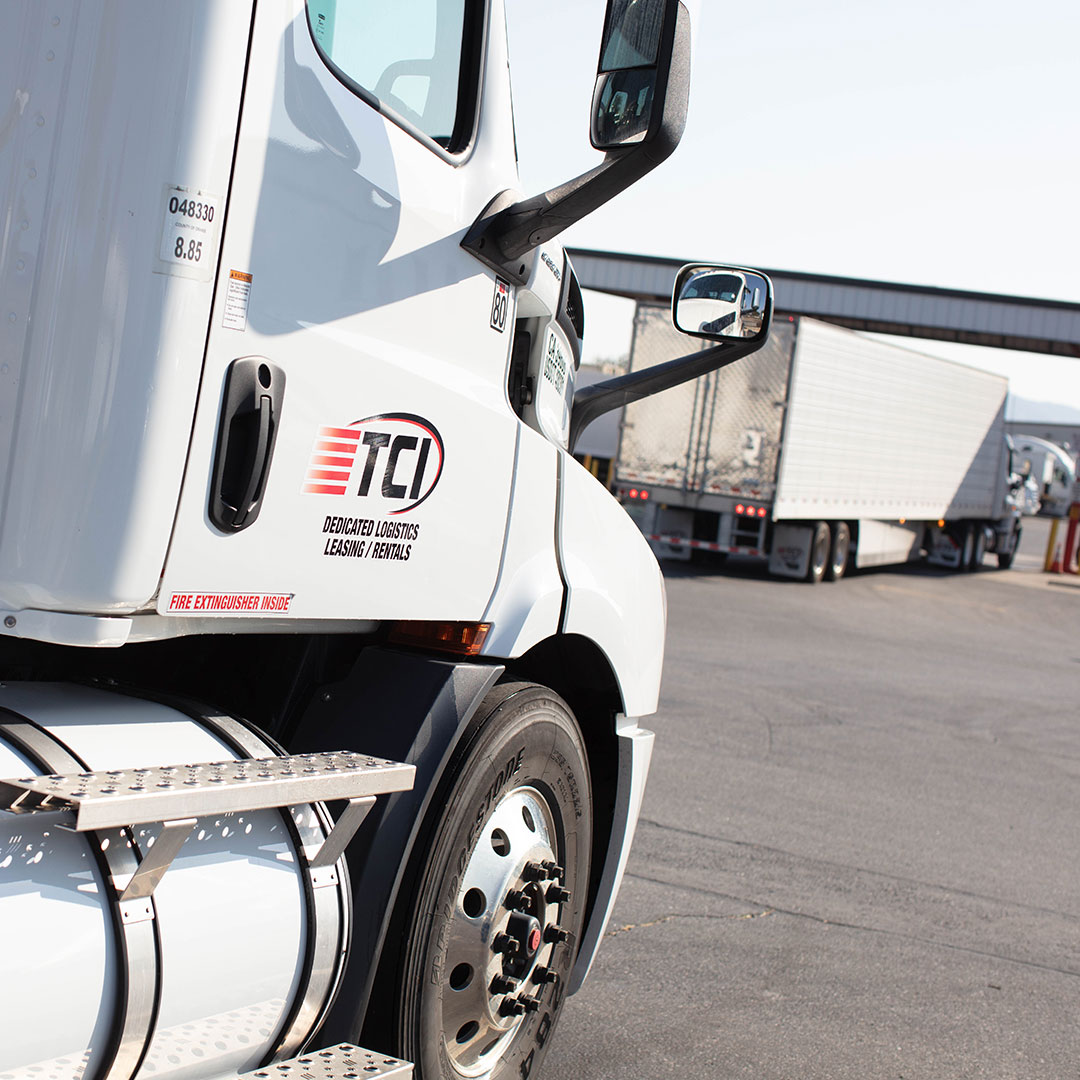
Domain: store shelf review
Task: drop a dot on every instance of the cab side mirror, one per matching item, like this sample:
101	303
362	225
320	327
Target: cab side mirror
633	73
638	115
720	302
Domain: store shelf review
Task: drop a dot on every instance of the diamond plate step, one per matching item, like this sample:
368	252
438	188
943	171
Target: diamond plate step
342	1062
123	797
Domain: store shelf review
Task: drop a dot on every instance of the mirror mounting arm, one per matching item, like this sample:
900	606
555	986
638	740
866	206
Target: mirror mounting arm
593	401
506	231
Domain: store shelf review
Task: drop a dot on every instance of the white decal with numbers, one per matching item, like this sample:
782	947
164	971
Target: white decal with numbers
191	221
499	304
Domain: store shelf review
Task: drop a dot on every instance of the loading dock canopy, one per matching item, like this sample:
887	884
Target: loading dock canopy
919	311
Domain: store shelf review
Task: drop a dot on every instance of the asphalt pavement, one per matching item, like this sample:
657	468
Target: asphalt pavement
858	850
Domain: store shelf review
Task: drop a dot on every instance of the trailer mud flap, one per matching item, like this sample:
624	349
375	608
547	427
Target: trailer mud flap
790	552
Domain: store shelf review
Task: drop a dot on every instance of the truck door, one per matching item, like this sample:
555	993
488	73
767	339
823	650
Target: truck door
353	396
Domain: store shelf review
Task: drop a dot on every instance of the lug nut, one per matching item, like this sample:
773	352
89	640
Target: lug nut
511	1006
556	894
543	975
533	871
504	943
553	870
531	1004
516	900
554	935
503	984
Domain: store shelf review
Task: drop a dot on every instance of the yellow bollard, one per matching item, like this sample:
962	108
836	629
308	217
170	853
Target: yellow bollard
1070	538
1049	560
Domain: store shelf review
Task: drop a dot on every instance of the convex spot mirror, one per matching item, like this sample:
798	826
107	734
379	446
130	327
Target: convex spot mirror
720	302
632	76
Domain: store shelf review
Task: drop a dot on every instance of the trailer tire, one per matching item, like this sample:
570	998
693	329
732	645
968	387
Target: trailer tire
978	548
967	546
839	552
516	796
820	548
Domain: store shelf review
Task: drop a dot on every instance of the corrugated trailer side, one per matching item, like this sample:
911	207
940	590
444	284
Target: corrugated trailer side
877	431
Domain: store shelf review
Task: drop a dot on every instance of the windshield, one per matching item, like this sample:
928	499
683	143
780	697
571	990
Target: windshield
714	287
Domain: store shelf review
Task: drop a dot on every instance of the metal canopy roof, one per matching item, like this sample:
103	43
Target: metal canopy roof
1001	322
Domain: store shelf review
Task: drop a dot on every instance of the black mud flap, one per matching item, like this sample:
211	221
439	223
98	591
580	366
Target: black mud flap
408	708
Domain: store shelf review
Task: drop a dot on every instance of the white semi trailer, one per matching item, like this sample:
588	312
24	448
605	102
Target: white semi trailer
287	391
826	450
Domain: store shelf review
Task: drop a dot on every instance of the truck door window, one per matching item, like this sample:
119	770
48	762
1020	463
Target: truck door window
416	60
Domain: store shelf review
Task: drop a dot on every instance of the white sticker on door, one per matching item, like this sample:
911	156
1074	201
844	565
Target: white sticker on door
191	222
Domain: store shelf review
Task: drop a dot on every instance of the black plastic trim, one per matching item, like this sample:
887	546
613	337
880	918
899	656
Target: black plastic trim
406	707
504	234
593	401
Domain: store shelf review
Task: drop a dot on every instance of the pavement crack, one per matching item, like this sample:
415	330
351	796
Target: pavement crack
842	925
710	916
863	870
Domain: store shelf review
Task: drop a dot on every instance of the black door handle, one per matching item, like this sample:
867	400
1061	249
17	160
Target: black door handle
247	431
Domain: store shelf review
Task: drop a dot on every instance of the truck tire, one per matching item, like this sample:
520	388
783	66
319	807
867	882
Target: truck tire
978	548
490	930
820	547
967	546
839	552
1005	558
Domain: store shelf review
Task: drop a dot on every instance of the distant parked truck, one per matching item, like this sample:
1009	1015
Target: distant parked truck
825	450
1051	467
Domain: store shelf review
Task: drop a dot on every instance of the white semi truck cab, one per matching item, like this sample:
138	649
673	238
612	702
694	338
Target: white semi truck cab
322	662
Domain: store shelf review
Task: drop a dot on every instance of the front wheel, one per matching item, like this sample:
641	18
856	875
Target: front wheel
1005	558
491	931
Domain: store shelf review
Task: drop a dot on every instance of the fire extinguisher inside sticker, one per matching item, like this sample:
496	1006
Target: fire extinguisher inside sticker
236	300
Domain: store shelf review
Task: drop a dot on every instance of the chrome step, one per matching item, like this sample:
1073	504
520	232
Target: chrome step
341	1062
123	797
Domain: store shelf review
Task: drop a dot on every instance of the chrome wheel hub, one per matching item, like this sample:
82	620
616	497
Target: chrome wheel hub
503	934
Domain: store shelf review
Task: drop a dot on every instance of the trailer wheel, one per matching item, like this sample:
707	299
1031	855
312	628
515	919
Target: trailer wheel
967	546
839	552
491	931
820	546
978	548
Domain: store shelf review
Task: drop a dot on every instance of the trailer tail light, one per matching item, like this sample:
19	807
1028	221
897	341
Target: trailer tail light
644	495
459	638
740	509
761	511
633	493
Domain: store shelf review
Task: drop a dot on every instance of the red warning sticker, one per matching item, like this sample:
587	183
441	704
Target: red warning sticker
228	603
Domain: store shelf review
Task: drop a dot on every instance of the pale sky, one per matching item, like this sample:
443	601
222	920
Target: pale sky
936	143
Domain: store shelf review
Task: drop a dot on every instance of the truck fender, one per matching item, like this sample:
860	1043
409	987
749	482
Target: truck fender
614	588
409	708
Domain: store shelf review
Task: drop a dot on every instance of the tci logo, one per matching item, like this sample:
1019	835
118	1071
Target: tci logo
395	456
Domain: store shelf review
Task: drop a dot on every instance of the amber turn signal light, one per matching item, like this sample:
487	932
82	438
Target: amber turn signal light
459	638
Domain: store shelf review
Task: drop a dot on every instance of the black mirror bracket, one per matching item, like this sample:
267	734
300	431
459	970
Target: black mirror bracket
593	401
507	230
599	398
